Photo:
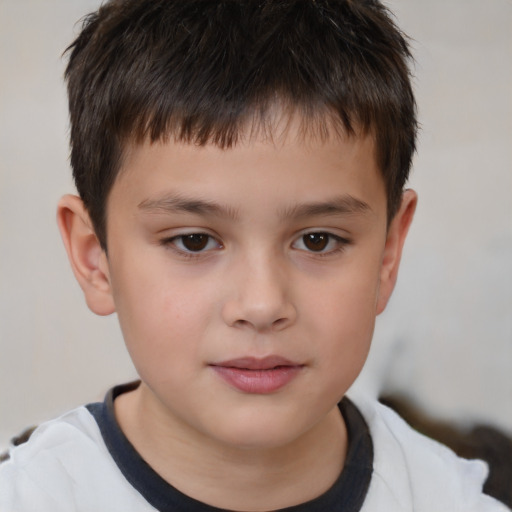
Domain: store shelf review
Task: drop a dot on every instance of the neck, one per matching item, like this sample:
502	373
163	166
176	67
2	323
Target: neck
233	478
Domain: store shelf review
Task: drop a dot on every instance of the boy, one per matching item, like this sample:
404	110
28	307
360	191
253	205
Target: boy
241	167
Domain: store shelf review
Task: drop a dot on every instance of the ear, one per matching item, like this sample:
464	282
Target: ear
88	259
395	239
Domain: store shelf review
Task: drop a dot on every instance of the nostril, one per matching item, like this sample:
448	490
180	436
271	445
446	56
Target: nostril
277	324
241	323
259	311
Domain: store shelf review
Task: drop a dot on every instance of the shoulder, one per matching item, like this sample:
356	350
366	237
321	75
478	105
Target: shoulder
59	465
39	468
413	472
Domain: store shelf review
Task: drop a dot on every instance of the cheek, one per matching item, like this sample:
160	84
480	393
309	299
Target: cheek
348	325
347	344
343	317
161	316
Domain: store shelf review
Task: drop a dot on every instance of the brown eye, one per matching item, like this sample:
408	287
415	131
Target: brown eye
321	243
316	242
192	244
195	242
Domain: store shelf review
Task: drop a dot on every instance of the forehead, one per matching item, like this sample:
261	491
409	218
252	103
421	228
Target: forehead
277	170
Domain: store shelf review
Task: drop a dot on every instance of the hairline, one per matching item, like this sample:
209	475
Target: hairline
257	128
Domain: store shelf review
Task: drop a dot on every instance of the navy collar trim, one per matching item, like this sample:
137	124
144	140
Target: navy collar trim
346	495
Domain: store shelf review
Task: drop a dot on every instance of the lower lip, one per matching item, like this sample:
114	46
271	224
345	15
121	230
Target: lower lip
258	381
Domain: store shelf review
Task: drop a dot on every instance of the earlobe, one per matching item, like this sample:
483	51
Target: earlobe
86	256
392	254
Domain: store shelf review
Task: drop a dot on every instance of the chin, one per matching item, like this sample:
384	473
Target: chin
258	432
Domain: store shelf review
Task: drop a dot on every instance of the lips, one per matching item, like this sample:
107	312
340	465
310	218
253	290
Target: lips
258	376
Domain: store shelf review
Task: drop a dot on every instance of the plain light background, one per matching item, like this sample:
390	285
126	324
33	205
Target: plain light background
446	338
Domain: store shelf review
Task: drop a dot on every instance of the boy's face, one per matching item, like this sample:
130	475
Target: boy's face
247	280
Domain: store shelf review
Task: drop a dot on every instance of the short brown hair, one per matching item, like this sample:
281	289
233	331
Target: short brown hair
201	70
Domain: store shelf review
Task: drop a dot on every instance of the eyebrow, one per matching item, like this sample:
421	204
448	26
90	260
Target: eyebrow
341	205
175	203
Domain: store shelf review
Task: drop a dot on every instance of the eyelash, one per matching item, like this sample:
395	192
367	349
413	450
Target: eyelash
171	242
341	243
187	253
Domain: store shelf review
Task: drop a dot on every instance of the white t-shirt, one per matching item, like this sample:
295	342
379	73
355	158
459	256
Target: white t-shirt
82	462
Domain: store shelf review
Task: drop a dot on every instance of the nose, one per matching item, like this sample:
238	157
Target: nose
260	296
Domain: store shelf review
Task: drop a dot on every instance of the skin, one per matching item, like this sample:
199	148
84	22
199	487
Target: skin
256	288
